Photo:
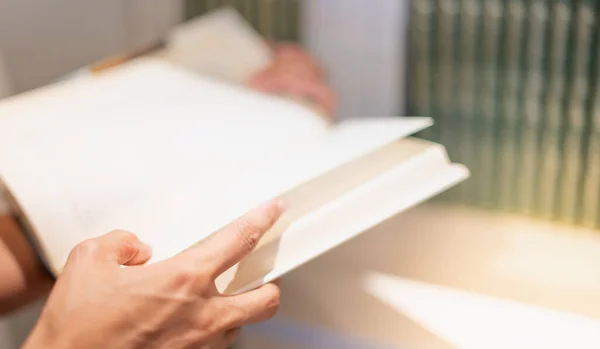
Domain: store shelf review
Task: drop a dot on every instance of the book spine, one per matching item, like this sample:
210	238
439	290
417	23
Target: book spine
282	9
249	9
210	5
492	24
266	17
470	24
445	77
191	8
550	144
245	7
537	21
421	25
515	14
572	160
590	191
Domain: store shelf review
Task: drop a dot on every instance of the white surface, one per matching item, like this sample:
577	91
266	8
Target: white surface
470	321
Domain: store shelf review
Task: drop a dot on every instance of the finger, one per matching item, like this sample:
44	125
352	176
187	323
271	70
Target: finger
227	247
259	80
297	67
251	307
119	247
313	91
304	68
323	96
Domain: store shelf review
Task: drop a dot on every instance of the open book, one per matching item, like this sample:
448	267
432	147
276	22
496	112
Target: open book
173	157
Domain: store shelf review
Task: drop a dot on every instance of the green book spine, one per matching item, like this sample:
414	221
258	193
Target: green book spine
590	192
444	84
251	11
590	207
572	160
246	7
550	143
537	21
492	21
508	148
470	22
295	22
446	77
282	9
421	35
213	4
591	189
266	18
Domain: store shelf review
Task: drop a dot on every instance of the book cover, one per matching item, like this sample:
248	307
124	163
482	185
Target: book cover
575	114
510	101
550	149
469	51
487	117
537	22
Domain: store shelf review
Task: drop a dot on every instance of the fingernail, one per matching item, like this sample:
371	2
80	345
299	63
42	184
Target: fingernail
281	206
145	250
268	206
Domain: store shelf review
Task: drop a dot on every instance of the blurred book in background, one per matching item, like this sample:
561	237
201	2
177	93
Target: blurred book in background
514	91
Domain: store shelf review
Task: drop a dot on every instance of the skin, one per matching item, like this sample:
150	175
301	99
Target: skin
24	279
295	73
170	304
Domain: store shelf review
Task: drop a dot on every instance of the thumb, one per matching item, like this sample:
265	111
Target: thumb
125	248
118	247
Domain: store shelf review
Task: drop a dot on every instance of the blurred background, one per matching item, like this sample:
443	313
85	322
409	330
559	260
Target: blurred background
513	86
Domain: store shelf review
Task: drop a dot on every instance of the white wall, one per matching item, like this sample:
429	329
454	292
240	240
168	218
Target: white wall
361	43
42	40
6	88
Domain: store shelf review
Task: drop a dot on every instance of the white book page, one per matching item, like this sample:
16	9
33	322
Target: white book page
74	153
168	156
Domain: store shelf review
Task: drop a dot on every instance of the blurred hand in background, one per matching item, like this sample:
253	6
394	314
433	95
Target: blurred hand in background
296	74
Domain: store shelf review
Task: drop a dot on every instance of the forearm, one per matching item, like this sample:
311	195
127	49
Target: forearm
24	278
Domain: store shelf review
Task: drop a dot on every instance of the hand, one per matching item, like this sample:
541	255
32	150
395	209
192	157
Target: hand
170	304
295	73
23	277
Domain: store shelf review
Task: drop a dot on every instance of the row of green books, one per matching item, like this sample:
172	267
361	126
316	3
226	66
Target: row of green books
274	19
514	88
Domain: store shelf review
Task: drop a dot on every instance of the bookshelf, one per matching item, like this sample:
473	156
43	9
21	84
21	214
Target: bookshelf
514	88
